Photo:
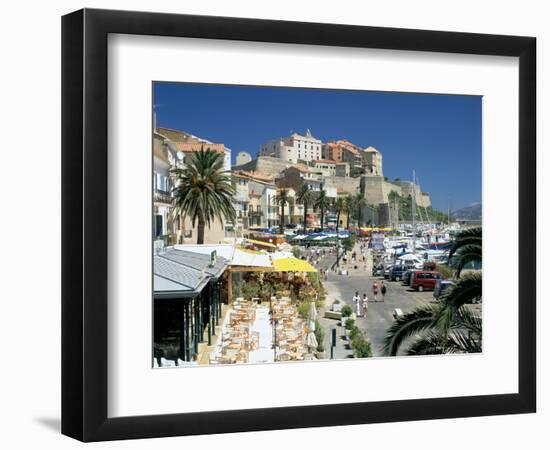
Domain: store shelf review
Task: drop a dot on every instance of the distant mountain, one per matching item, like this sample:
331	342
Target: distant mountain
472	212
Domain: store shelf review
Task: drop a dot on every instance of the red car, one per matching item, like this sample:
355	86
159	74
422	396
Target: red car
424	279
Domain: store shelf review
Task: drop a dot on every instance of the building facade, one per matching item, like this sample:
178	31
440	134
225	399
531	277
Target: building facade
254	200
372	161
294	148
164	227
174	148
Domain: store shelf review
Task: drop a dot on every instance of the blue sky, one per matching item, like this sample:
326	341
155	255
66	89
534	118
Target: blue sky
437	135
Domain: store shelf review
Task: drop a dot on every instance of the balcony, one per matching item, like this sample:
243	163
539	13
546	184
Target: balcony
162	197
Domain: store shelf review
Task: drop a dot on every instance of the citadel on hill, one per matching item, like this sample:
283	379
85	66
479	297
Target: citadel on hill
339	168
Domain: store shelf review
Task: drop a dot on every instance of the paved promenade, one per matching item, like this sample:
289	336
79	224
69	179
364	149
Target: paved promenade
380	314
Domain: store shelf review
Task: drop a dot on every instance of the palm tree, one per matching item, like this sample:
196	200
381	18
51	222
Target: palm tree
349	206
338	207
323	203
447	326
360	203
463	336
282	198
305	197
466	248
203	191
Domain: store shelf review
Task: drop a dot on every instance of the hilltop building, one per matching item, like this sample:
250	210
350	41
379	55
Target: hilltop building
372	161
344	151
294	148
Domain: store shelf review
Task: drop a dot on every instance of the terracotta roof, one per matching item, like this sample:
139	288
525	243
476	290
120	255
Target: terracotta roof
344	144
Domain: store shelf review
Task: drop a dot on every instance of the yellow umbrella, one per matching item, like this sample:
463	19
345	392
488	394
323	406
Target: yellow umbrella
292	265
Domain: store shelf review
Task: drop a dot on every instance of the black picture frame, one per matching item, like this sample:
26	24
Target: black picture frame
84	224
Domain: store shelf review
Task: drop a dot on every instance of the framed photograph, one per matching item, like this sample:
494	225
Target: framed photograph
273	224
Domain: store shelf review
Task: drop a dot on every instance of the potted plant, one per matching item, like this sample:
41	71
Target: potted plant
346	312
337	305
349	326
320	336
361	346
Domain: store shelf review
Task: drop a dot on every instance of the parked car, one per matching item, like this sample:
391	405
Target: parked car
378	270
396	273
407	276
387	271
424	280
441	286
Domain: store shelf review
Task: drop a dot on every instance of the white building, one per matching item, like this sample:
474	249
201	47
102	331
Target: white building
294	148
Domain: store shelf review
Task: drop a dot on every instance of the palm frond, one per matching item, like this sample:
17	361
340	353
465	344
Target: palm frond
203	191
471	236
433	343
419	320
465	291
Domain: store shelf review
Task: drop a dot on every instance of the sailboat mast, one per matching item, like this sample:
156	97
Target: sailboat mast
414	212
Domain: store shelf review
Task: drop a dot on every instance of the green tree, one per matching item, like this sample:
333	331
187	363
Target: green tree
322	202
360	345
203	191
349	206
338	207
360	203
305	198
282	199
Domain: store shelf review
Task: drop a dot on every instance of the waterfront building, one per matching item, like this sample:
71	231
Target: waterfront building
188	298
254	200
164	227
180	147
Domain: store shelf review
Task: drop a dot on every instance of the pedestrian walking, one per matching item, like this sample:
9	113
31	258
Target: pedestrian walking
356	300
383	291
365	304
375	291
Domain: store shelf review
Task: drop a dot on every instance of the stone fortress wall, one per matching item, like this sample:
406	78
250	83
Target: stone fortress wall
375	187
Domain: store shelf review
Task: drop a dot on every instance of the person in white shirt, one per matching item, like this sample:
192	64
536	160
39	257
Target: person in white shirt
356	300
